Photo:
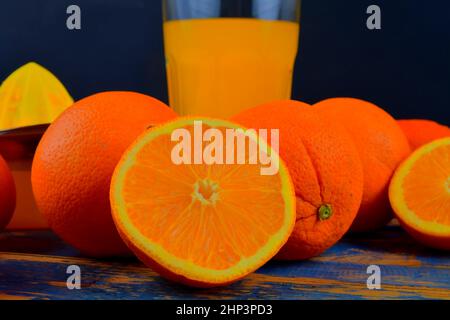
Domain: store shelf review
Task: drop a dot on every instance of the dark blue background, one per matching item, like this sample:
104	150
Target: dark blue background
405	67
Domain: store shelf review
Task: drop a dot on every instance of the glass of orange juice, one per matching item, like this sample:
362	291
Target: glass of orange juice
224	56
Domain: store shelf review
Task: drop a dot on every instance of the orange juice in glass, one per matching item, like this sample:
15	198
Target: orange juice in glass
224	56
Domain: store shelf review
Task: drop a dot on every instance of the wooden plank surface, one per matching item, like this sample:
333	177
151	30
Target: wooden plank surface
33	266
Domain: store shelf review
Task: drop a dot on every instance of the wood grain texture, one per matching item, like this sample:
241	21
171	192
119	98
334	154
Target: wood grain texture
33	266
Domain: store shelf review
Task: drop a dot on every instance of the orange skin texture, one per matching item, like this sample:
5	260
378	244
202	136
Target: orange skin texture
420	132
382	146
325	169
75	160
7	194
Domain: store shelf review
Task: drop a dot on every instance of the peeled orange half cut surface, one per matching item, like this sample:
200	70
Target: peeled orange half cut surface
420	194
201	224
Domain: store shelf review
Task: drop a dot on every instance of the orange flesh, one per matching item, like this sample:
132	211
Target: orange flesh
196	212
427	186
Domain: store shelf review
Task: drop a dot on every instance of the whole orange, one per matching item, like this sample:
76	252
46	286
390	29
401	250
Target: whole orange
420	131
382	147
7	194
75	160
325	169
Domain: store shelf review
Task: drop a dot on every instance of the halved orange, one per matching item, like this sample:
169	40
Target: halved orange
198	224
420	194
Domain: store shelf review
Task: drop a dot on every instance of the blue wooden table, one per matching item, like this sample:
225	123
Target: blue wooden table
33	265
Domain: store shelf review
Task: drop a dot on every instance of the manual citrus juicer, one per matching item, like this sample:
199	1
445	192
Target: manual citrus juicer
30	99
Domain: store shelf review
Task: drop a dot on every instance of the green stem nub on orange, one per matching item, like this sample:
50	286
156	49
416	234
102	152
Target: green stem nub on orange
325	212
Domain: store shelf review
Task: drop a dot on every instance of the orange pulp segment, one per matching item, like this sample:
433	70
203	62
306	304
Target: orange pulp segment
420	193
199	224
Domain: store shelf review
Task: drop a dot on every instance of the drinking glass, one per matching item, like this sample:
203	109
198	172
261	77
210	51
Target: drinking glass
224	56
